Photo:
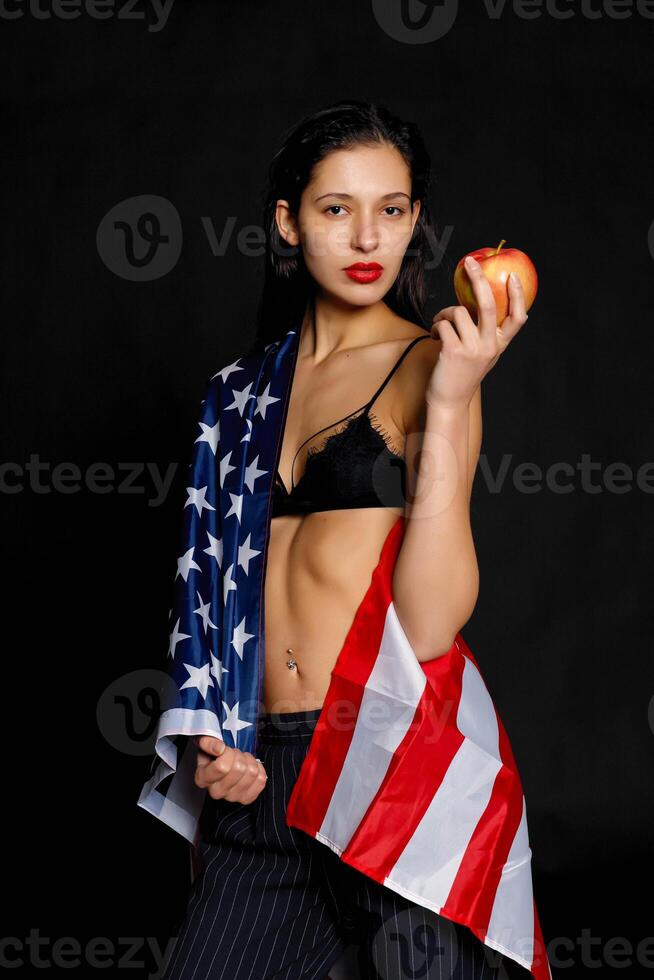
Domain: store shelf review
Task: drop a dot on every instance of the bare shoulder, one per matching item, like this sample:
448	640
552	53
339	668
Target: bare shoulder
413	377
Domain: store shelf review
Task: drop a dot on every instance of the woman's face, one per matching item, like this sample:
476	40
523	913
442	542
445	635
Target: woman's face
356	209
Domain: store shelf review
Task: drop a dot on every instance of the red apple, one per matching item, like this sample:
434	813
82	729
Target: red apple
496	264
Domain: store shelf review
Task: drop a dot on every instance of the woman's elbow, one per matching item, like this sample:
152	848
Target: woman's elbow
432	651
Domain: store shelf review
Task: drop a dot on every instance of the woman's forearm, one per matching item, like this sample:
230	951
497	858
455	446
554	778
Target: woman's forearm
436	576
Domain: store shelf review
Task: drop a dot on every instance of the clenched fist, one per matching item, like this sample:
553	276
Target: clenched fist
228	774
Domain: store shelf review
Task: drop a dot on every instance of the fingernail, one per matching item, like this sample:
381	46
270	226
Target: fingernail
470	262
515	278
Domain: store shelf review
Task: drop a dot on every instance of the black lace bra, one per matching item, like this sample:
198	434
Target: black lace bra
354	468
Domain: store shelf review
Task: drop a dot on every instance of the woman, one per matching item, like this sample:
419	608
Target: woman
384	419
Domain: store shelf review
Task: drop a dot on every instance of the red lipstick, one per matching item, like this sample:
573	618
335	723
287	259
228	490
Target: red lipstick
364	271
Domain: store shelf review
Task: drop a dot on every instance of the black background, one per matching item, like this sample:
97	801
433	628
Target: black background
539	130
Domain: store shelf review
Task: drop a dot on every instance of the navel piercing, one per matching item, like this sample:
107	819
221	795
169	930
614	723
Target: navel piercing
290	663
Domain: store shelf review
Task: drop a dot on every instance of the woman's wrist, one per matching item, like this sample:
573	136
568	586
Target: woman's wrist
447	409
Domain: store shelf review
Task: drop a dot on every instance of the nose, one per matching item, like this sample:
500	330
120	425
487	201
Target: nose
365	234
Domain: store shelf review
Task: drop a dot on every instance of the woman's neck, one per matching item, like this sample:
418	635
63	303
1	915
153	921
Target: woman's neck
329	327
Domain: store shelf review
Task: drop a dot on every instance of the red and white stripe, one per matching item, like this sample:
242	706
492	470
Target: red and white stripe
410	778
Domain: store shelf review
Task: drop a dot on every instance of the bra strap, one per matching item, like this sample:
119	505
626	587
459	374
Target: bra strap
395	367
366	406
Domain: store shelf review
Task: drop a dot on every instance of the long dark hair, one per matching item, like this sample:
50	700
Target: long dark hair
288	287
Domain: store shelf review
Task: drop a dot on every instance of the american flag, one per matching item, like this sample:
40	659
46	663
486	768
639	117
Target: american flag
215	652
410	779
409	776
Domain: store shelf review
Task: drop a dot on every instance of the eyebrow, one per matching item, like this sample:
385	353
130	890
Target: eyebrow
384	197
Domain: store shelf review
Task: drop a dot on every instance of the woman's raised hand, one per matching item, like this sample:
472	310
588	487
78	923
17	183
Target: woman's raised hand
470	351
228	774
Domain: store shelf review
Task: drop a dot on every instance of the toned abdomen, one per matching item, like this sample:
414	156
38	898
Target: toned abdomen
319	567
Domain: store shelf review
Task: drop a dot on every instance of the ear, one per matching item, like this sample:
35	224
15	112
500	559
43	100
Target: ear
286	223
415	213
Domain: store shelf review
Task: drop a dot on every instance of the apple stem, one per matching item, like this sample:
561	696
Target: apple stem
503	242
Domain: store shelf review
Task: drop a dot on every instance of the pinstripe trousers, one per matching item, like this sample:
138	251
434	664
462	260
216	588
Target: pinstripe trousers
272	903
